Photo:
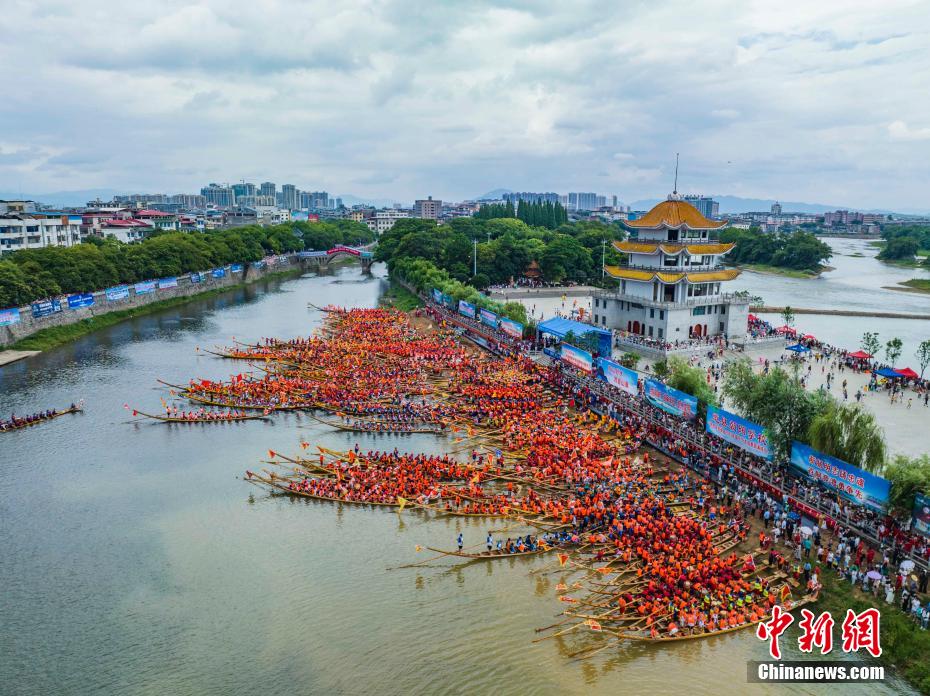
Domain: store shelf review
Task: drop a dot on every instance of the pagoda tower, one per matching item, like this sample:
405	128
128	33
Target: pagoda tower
671	289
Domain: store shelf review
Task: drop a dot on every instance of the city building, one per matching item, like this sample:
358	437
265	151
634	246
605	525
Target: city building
531	197
267	188
188	201
383	220
157	219
243	189
705	205
21	230
289	198
776	208
582	201
220	196
17	207
126	230
427	208
671	289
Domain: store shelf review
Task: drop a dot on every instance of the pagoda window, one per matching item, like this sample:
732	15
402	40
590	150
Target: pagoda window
673	235
669	260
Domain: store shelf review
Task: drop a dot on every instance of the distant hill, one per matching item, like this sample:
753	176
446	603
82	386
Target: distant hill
494	195
63	198
730	205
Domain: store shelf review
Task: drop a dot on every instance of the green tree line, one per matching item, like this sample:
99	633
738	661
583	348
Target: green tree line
33	274
799	251
902	242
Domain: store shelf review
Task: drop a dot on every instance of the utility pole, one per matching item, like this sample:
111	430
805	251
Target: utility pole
474	270
603	256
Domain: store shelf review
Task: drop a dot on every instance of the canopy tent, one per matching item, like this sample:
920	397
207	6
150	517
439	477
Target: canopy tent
559	327
907	373
798	348
886	372
786	330
860	355
810	337
753	317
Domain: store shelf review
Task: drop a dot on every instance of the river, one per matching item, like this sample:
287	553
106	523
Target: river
135	559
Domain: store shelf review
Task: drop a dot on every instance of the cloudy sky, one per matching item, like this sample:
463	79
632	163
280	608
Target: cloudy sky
824	101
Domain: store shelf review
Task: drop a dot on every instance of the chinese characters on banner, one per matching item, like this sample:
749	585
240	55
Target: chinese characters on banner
738	431
850	482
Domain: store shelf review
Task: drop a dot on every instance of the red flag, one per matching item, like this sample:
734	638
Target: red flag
567	599
271	453
563	558
595	626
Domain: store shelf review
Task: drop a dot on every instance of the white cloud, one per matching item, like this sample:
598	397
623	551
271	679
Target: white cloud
393	99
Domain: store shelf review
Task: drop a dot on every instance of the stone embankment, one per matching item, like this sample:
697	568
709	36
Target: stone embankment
838	312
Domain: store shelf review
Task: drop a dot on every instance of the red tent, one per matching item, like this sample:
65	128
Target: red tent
810	337
908	373
860	355
753	317
786	330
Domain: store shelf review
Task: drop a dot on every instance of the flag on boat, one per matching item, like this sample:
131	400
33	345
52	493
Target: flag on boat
595	626
563	559
401	502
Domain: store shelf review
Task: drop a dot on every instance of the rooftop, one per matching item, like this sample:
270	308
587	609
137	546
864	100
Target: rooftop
675	213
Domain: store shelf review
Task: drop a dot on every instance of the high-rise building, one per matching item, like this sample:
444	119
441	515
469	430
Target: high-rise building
613	202
776	208
338	203
289	197
267	188
243	189
220	196
530	197
705	205
427	208
186	200
582	201
601	202
305	199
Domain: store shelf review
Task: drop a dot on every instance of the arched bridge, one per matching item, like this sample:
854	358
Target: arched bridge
322	259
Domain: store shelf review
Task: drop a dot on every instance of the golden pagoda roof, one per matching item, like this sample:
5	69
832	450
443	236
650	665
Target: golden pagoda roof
637	247
671	277
675	213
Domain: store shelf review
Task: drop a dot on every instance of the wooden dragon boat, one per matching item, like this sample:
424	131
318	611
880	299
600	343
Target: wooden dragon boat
172	419
494	554
43	419
257	479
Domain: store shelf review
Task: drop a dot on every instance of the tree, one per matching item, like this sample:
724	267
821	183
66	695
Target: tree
923	356
787	314
908	477
849	433
893	351
629	360
691	380
776	401
870	343
898	248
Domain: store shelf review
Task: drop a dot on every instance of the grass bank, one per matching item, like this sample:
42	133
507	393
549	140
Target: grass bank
787	272
55	336
919	262
401	298
905	646
917	285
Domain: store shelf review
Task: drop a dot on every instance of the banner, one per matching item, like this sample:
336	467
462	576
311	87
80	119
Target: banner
118	292
218	272
849	481
467	308
617	375
46	308
488	318
670	400
745	434
9	316
235	268
576	357
922	514
83	300
480	340
144	287
448	301
437	296
512	328
196	277
259	264
164	283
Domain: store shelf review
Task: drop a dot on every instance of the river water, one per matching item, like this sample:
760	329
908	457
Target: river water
135	560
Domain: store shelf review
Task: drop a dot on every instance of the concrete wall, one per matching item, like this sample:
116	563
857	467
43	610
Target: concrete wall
29	325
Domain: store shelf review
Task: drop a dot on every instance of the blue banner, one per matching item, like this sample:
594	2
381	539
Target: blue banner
235	268
488	318
467	308
448	301
849	481
670	400
196	277
47	308
437	296
83	300
118	292
165	283
218	272
623	378
576	357
144	287
480	340
9	316
512	328
922	514
745	434
259	264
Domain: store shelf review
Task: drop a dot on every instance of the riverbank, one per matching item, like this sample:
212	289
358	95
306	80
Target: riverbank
399	297
921	285
905	646
54	336
768	309
786	272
